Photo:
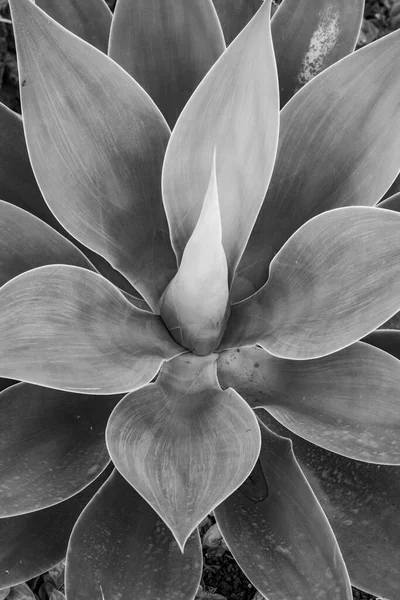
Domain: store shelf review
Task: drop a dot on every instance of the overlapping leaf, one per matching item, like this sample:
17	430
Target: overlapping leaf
347	402
27	242
19	187
195	305
311	35
68	328
331	134
51	445
334	281
90	20
183	443
35	542
385	339
361	503
235	111
234	16
17	182
391	203
167	46
120	548
278	533
96	153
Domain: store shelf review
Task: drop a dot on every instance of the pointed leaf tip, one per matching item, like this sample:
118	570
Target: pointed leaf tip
173	441
100	178
235	109
195	305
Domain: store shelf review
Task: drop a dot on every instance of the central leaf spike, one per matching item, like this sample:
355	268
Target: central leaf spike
195	305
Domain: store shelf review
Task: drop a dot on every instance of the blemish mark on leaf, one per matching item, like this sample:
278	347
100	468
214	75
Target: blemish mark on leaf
322	41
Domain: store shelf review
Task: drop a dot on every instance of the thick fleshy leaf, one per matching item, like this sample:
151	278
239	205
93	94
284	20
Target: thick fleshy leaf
326	158
18	186
68	328
167	46
234	16
35	542
385	339
235	112
97	154
51	445
347	402
391	203
334	281
195	305
90	20
305	46
27	242
278	533
120	548
183	443
361	501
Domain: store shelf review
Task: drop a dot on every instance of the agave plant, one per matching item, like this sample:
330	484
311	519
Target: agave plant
159	288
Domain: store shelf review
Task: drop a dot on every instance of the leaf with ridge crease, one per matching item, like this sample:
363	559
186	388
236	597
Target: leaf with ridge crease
338	146
281	538
68	328
120	548
361	501
333	282
347	402
235	110
167	46
96	143
183	443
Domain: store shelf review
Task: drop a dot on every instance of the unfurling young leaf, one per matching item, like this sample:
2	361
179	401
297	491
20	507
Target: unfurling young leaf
195	304
245	232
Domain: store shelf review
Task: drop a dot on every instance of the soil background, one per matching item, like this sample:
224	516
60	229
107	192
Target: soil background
222	577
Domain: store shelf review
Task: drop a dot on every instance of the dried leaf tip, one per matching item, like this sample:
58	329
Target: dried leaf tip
195	305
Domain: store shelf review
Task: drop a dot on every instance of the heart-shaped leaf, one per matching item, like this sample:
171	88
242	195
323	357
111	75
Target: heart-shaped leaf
361	502
108	345
281	537
167	46
96	143
183	443
311	35
347	402
90	20
234	110
195	305
325	157
333	282
120	548
51	445
35	542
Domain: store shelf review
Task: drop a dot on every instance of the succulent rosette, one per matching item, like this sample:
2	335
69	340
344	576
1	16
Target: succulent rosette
193	264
